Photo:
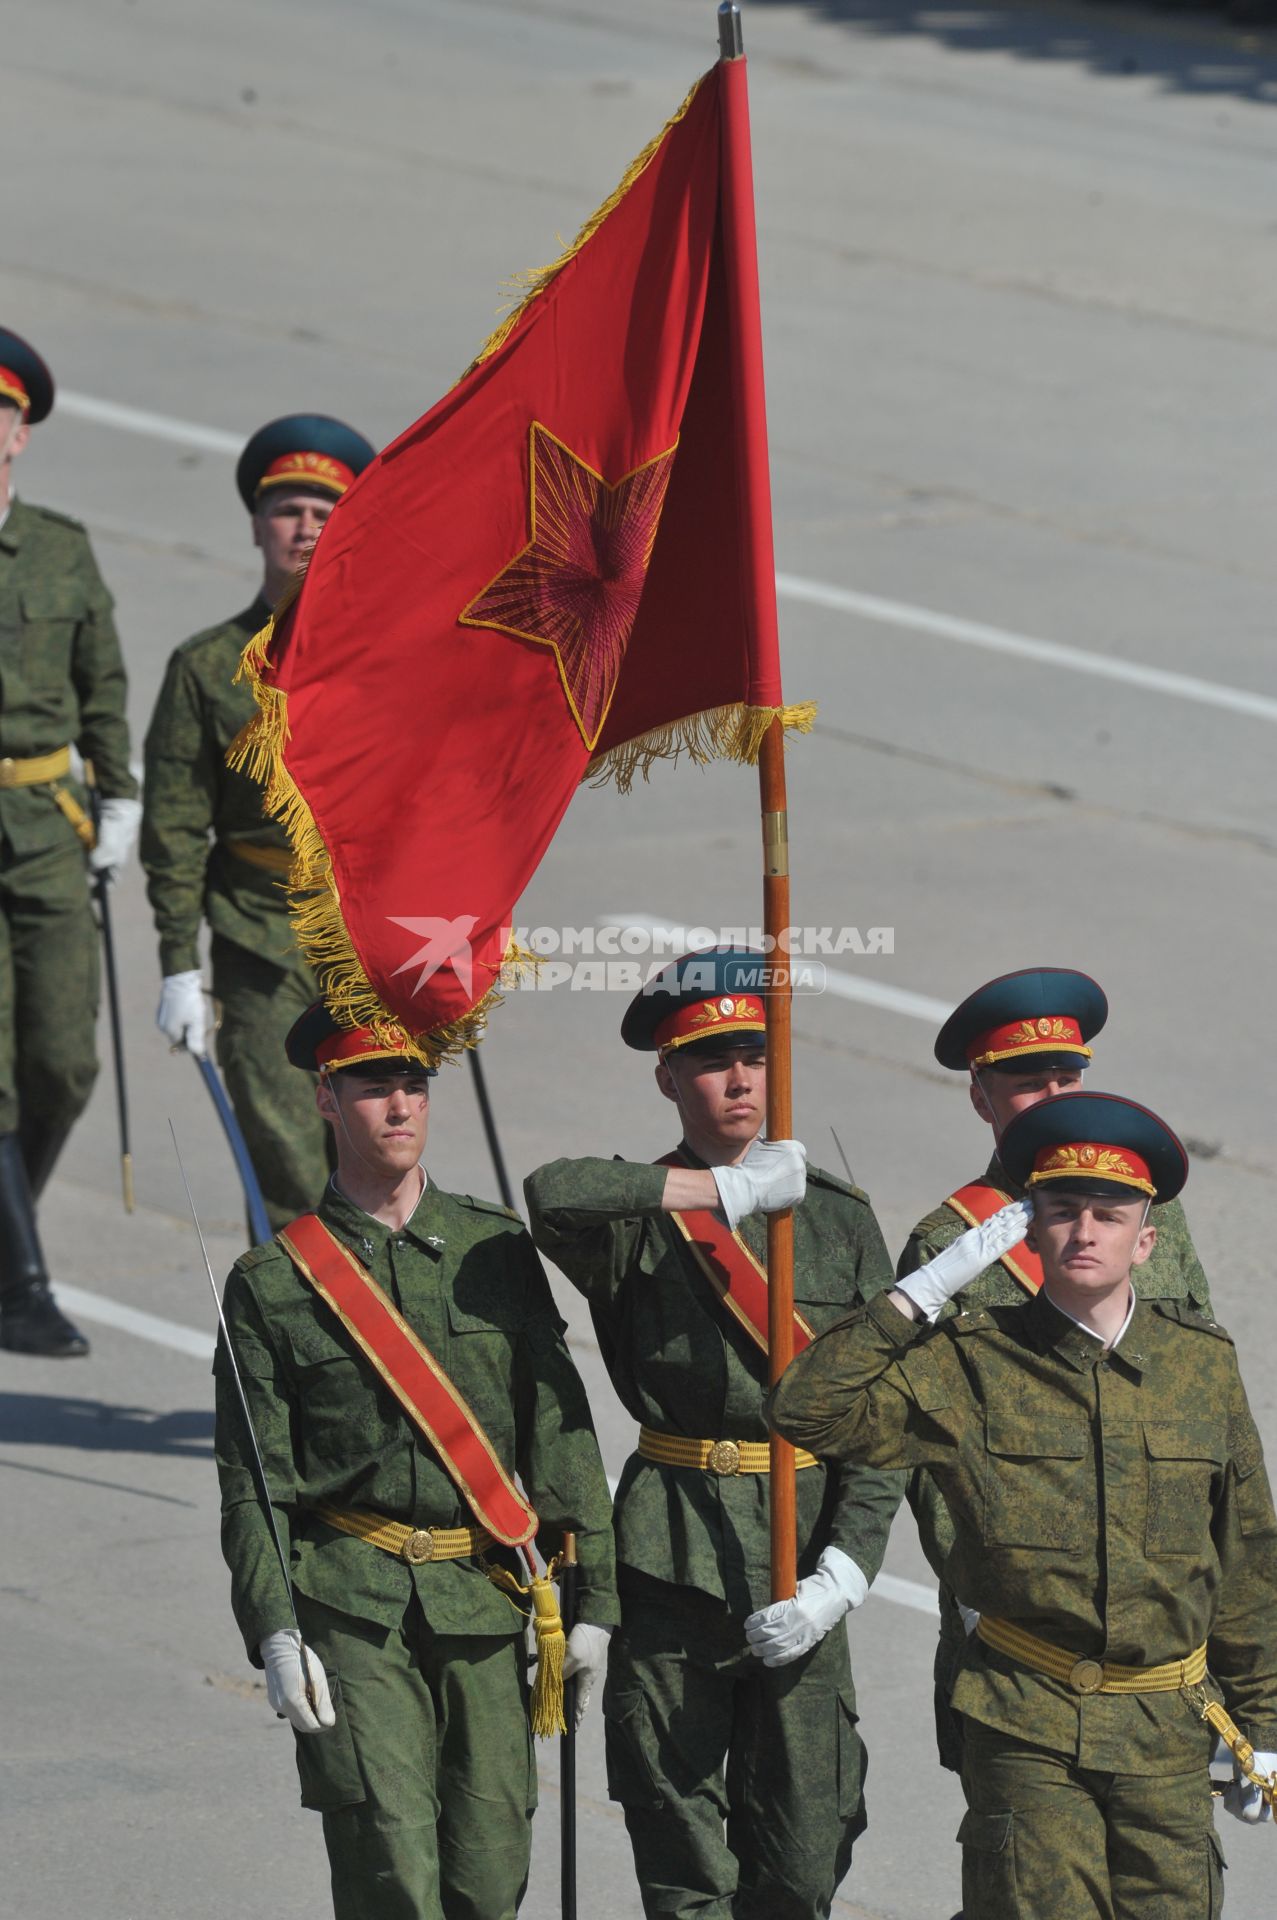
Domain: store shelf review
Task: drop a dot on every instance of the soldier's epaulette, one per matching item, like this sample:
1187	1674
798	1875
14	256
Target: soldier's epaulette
256	1255
817	1177
490	1206
58	519
1189	1317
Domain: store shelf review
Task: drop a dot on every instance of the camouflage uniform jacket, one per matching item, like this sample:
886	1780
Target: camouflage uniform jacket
1116	1505
680	1363
62	679
464	1274
1172	1271
191	794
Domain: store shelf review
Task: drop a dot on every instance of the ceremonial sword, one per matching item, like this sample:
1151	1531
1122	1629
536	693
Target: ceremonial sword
263	1485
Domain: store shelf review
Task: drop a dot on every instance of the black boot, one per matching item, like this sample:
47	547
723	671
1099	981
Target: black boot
30	1321
41	1142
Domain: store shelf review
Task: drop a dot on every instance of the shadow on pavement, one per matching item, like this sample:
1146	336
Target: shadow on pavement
1189	49
99	1426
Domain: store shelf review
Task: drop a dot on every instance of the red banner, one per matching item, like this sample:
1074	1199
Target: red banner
545	575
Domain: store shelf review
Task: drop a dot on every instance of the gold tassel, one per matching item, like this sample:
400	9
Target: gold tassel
533	281
552	1642
721	733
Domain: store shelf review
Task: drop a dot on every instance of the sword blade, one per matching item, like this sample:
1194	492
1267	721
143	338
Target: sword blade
263	1485
846	1164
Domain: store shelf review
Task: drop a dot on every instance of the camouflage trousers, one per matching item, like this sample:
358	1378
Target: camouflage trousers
1042	1837
741	1784
48	997
427	1782
274	1103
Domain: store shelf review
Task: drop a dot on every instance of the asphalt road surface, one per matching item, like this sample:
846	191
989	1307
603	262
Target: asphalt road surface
1021	316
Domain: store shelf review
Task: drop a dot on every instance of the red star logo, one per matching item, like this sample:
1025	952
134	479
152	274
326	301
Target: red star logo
576	586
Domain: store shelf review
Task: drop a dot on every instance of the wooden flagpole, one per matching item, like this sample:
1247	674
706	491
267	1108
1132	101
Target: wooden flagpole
740	247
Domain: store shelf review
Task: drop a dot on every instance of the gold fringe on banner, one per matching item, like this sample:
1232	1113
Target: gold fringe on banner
722	733
527	286
318	924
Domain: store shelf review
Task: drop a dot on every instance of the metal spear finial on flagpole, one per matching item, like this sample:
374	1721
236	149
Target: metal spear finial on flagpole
740	256
731	36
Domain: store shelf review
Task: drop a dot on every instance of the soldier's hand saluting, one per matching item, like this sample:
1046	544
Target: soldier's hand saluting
924	1292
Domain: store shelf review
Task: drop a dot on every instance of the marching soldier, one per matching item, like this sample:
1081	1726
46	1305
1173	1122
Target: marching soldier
1022	1038
1113	1523
208	849
717	1704
64	687
402	1360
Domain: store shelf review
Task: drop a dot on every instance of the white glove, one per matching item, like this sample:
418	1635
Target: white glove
182	1015
584	1661
1244	1799
970	1618
931	1286
771	1177
790	1628
118	824
281	1653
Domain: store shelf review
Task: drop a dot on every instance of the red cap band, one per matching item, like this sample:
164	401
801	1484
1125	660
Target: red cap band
11	388
355	1045
725	1013
1091	1160
1051	1033
306	470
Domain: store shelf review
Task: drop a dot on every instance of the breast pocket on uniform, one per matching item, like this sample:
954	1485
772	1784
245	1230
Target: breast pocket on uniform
1183	1458
50	614
1039	1489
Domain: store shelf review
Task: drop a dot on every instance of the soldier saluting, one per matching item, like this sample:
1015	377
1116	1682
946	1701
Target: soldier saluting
1113	1526
402	1360
1021	1039
717	1703
209	851
64	686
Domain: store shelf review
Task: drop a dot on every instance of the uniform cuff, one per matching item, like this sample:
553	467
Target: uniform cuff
898	1327
179	957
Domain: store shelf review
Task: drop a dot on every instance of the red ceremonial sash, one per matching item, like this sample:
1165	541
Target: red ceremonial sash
414	1376
979	1202
737	1277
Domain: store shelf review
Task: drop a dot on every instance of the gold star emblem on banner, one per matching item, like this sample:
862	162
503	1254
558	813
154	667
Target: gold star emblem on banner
577	584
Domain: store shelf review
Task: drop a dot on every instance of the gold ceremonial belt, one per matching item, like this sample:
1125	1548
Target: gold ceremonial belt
723	1457
34	773
416	1545
1089	1676
270	859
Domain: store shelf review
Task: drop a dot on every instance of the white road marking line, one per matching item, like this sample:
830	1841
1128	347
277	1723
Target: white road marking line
153	426
1047	653
906	1593
145	1326
843	985
790	586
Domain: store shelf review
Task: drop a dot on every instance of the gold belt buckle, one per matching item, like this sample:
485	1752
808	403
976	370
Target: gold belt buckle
8	773
419	1547
1087	1676
724	1457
